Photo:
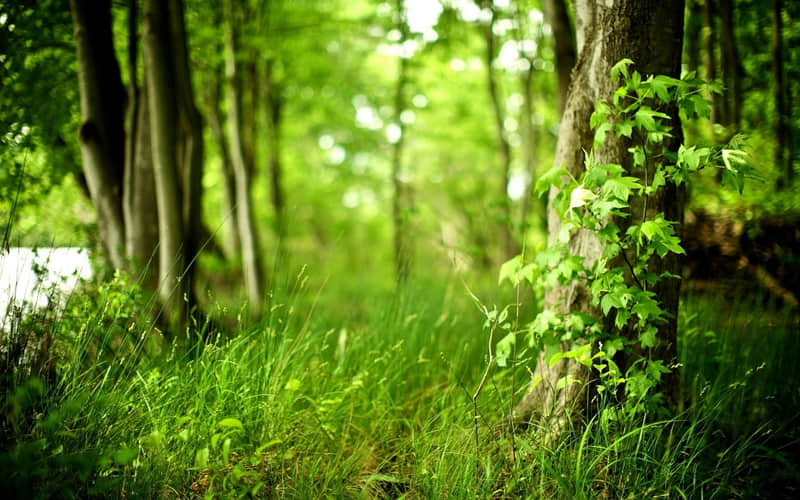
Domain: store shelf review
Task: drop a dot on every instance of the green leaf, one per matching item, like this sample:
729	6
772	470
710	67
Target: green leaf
504	348
648	337
620	67
552	177
230	423
509	270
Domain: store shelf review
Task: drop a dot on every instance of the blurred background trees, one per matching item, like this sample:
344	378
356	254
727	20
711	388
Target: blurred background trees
242	139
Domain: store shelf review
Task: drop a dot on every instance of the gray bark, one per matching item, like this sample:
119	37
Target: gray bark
251	263
650	33
101	134
163	109
555	12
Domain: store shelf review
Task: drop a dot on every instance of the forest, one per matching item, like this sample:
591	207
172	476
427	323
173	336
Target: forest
400	249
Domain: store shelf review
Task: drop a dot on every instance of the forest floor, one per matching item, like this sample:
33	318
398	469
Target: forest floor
334	394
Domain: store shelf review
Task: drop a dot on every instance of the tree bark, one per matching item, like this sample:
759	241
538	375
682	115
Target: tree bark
555	12
101	134
215	122
274	111
509	248
650	33
731	65
251	263
709	58
164	122
782	161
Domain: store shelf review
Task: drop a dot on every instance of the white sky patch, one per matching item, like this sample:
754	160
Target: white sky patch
419	101
423	16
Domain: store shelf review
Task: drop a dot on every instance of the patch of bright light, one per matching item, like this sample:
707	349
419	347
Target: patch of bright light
367	117
422	14
393	133
351	199
457	64
326	141
337	155
419	101
517	185
510	124
408	117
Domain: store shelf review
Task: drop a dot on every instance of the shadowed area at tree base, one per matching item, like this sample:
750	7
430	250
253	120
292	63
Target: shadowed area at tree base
761	253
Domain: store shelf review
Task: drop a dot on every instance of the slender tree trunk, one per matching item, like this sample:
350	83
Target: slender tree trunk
215	122
731	65
709	58
556	15
274	111
637	27
140	203
164	122
509	248
528	142
782	160
694	28
251	263
190	148
101	134
139	198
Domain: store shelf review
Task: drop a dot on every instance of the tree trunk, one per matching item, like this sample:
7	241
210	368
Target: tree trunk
650	33
164	122
779	91
694	28
190	148
528	144
709	58
274	102
140	203
731	65
556	15
215	122
509	248
101	134
251	264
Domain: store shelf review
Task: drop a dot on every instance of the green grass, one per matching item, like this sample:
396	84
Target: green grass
372	400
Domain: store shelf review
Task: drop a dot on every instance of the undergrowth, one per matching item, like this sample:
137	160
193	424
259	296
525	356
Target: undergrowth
315	402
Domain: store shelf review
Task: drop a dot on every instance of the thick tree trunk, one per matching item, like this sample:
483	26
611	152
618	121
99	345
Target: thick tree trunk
164	122
555	12
102	133
251	263
650	33
509	247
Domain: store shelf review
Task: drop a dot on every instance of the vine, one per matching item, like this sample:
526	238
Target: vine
602	194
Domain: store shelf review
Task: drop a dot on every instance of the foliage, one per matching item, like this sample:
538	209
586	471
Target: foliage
598	201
